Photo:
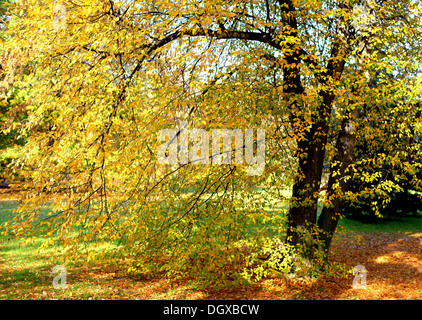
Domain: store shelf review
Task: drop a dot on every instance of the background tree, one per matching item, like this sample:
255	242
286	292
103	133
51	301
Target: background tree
389	169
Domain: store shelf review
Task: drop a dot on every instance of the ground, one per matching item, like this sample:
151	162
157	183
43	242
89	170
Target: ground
391	254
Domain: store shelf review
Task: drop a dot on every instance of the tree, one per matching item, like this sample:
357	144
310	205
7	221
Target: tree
385	187
12	111
108	76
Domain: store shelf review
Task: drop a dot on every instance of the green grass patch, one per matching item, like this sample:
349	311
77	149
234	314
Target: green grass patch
405	224
24	275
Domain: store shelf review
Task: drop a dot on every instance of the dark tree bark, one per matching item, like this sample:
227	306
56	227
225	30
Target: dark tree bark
340	178
340	172
302	218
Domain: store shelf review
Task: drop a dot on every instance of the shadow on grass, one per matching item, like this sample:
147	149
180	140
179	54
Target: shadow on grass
24	279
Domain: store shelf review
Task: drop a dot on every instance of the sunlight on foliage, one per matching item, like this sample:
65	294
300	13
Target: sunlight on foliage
104	78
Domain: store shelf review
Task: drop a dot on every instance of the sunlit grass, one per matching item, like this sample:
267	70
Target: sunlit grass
26	275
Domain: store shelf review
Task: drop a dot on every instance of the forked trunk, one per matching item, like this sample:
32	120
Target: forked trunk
303	212
339	180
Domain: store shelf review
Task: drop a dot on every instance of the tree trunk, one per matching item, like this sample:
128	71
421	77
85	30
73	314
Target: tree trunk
339	180
302	217
340	172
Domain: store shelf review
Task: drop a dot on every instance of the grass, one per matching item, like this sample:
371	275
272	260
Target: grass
6	210
411	224
24	275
